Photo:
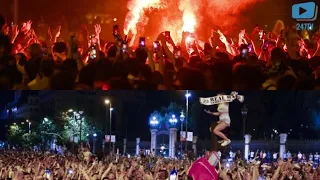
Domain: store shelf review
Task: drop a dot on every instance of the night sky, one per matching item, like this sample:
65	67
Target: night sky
294	112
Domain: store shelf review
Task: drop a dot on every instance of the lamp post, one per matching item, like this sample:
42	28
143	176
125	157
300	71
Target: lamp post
94	143
244	112
154	122
81	119
181	129
78	117
107	101
173	120
187	95
29	125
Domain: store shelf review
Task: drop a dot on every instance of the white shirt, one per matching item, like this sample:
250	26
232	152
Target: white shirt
310	157
264	155
231	154
252	154
275	155
223	108
284	155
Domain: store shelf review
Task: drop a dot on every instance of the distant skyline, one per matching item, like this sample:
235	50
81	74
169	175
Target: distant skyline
297	113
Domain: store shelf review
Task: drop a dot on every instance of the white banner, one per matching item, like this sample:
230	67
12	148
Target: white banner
186	137
182	136
190	136
113	138
107	138
221	99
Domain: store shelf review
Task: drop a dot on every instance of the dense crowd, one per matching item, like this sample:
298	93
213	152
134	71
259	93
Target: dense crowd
36	58
45	165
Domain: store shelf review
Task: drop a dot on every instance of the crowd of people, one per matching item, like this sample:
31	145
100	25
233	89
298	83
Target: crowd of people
35	58
18	164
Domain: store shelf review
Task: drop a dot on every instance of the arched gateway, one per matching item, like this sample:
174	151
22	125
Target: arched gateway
160	129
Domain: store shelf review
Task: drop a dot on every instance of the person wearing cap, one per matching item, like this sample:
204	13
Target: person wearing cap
204	168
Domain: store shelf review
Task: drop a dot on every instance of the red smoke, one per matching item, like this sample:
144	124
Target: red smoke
177	15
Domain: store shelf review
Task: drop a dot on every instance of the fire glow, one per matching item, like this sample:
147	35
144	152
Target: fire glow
223	14
136	11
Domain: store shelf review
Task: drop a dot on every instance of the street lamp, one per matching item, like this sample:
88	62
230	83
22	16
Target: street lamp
187	95
29	123
181	129
45	119
154	121
94	142
244	112
108	102
173	120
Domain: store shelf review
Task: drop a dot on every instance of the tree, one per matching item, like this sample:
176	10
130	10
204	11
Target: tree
15	135
46	129
73	125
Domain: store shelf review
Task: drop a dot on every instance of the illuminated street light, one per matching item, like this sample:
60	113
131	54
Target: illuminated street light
70	110
182	116
108	102
46	119
154	121
95	135
187	95
173	120
181	129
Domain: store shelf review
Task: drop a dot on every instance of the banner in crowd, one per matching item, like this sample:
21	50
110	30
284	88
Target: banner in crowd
190	136
107	138
221	99
182	136
186	136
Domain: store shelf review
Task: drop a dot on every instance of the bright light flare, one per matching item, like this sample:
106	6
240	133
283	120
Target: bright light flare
137	9
189	21
189	9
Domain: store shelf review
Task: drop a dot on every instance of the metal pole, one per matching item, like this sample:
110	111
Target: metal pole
94	145
187	112
29	127
244	131
110	119
244	125
180	138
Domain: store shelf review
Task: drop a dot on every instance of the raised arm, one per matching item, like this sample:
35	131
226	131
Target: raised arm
212	113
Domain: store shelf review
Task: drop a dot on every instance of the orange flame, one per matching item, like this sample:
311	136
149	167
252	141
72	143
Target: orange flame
189	8
189	22
136	11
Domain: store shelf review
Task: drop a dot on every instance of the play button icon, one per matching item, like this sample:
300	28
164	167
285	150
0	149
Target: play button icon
305	11
302	10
